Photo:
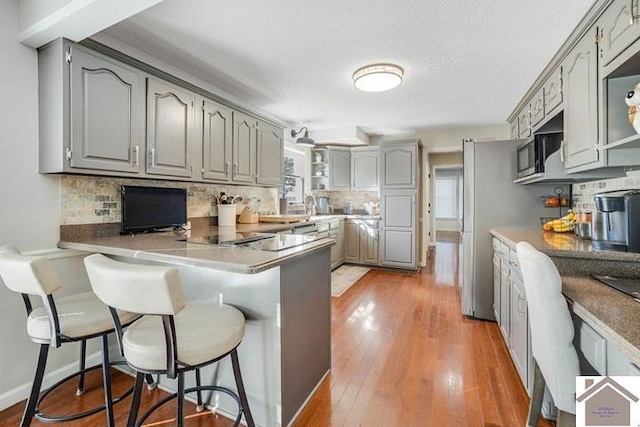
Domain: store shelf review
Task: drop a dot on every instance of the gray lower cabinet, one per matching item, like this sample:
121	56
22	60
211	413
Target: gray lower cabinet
217	141
399	166
519	327
505	299
339	168
337	232
269	154
399	228
244	148
365	170
581	107
361	241
170	129
91	112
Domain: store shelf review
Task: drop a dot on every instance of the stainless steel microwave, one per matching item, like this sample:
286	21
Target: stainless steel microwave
531	155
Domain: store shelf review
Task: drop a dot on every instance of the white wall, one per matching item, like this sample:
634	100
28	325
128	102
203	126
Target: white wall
29	213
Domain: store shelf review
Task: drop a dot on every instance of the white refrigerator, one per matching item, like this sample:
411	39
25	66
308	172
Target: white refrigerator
492	200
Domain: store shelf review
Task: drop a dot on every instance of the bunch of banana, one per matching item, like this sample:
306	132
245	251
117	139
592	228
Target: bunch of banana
561	225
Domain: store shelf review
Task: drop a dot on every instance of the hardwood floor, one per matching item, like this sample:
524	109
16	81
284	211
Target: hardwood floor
402	355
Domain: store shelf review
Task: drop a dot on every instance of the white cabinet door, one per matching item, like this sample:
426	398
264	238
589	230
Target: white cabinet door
107	107
581	106
339	169
170	129
269	155
217	141
365	170
553	92
505	299
399	166
369	243
496	287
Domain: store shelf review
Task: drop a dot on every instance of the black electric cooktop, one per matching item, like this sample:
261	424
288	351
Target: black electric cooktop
630	287
230	239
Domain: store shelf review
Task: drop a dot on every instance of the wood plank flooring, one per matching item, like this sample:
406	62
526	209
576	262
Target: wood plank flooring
402	355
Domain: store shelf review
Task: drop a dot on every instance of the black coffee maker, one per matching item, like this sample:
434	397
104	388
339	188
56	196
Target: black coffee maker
616	222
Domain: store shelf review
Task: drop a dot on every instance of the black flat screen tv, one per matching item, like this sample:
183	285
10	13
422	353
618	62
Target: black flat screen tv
152	208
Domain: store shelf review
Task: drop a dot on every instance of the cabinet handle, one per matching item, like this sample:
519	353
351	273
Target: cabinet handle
520	305
226	169
152	157
632	17
137	156
562	151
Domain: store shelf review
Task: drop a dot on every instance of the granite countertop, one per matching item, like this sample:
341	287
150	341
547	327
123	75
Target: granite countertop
566	245
611	313
166	247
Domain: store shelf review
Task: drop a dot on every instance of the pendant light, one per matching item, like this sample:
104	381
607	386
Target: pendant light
378	77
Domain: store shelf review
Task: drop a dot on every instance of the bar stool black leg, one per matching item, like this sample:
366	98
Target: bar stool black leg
243	396
180	399
82	364
106	377
135	401
30	409
151	383
200	406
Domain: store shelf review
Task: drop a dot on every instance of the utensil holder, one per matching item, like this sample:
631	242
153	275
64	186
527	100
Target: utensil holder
226	215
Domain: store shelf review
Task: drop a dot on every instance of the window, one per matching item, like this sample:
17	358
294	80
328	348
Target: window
448	193
294	171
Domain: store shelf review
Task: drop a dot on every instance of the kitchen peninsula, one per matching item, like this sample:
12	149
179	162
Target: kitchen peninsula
285	353
606	320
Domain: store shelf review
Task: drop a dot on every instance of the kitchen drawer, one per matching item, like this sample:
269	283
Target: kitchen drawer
593	346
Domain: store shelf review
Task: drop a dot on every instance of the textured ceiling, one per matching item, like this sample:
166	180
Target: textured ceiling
466	62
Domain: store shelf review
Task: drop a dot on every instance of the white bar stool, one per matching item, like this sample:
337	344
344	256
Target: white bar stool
172	337
72	318
555	358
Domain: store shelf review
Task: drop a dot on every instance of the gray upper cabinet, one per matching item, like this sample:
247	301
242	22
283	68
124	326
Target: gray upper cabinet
106	116
339	168
365	170
399	166
618	28
524	124
399	232
553	92
170	129
269	154
514	131
217	143
91	112
244	148
537	108
581	106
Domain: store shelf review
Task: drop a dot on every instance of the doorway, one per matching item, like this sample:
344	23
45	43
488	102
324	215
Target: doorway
447	198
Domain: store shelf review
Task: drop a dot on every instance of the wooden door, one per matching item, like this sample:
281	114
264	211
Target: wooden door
170	126
269	156
217	141
581	107
106	114
244	148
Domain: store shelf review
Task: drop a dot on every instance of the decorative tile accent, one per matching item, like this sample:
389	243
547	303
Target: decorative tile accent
339	199
92	200
583	192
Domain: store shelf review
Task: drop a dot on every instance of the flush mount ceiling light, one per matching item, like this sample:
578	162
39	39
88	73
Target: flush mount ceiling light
303	141
378	77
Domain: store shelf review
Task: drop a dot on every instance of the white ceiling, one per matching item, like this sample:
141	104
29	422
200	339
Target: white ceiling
466	62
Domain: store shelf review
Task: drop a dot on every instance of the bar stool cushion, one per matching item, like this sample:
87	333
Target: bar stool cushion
79	315
205	332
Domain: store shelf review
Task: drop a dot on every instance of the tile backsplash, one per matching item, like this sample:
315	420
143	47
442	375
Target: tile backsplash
339	199
92	200
583	192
